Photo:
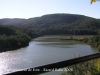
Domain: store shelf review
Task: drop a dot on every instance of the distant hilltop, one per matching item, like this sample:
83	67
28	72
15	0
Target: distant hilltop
63	18
59	22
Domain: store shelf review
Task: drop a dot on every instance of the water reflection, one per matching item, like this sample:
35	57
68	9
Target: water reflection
41	51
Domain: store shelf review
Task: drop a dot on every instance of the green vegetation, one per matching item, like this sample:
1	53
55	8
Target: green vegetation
14	37
99	47
93	41
91	67
15	33
64	24
58	24
15	21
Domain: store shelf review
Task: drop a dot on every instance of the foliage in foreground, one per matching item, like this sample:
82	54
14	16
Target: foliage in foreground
91	67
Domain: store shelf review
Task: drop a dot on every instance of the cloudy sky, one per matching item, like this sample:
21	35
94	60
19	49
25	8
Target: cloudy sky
35	8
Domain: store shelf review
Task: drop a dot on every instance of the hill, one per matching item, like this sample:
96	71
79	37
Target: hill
58	24
64	24
8	21
54	19
16	33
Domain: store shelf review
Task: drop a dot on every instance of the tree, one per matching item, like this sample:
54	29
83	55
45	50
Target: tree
93	1
99	47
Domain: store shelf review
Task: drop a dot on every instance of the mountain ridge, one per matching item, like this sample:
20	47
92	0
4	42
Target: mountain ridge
15	21
58	24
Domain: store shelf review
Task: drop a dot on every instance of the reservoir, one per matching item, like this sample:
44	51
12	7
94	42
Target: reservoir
41	51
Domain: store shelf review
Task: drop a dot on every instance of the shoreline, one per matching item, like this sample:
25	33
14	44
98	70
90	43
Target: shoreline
10	49
15	48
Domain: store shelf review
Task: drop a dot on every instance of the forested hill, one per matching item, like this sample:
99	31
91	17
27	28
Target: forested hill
59	24
15	21
23	30
54	19
64	24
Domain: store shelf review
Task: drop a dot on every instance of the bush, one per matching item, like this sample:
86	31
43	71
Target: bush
99	47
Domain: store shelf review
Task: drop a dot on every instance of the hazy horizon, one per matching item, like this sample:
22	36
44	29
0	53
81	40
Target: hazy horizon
36	8
47	14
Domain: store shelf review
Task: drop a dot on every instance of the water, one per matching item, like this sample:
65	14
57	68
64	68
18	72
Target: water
41	51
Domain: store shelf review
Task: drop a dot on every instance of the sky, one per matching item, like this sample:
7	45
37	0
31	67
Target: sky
36	8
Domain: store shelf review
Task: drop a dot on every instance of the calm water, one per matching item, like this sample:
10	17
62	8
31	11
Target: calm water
41	51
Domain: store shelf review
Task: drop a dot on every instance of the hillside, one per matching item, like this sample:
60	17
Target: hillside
54	19
12	38
16	33
58	24
15	21
64	24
